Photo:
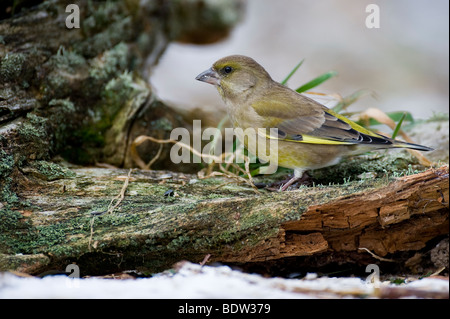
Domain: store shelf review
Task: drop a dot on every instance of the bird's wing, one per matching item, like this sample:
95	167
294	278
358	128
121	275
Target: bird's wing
307	121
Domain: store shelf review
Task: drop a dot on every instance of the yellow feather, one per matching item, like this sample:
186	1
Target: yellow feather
317	140
311	140
353	125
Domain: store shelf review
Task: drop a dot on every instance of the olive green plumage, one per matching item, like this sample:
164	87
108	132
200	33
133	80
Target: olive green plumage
309	134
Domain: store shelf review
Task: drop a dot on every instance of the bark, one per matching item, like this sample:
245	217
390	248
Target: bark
165	217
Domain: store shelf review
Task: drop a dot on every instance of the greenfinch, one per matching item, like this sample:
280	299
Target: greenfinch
309	135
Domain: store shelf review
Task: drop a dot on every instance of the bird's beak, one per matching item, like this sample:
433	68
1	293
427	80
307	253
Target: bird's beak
209	76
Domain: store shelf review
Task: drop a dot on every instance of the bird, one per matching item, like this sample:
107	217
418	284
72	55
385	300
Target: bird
309	135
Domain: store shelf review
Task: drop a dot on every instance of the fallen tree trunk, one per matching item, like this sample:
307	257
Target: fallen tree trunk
163	217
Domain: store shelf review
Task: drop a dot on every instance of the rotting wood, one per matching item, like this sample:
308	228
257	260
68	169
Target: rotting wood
150	231
404	215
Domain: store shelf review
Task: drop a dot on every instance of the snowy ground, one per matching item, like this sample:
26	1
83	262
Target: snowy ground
199	282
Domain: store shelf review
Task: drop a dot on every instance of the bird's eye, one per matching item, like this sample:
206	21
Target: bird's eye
227	69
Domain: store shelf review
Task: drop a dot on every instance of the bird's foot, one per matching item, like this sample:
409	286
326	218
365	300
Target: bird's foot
283	185
305	179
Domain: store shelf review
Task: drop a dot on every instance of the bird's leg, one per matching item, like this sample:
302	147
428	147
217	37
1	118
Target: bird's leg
289	183
298	175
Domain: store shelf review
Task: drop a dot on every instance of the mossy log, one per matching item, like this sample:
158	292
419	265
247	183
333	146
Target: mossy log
165	217
81	91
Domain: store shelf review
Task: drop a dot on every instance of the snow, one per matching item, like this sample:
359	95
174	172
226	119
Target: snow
193	281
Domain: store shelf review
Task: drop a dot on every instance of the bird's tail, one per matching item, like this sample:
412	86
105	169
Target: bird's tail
418	147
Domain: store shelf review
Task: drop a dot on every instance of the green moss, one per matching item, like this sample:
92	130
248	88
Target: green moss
67	59
18	236
7	194
87	140
368	167
53	239
107	24
33	129
108	116
15	231
6	164
118	219
23	262
8	220
117	92
12	66
162	123
52	171
110	92
58	112
6	167
50	236
179	241
258	219
215	195
112	62
101	17
65	67
33	132
63	105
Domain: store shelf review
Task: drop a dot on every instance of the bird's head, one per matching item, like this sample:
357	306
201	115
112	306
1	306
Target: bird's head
236	76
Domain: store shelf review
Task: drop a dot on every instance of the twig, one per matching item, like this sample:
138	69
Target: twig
154	159
142	138
217	159
437	272
377	257
205	259
111	207
120	196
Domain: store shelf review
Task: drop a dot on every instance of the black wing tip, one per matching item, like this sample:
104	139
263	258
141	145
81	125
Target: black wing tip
413	146
418	147
388	142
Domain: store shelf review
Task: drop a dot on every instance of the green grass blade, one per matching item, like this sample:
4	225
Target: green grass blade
292	72
317	81
399	124
401	115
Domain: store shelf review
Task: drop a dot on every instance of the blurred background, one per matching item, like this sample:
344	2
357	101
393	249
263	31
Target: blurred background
405	61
